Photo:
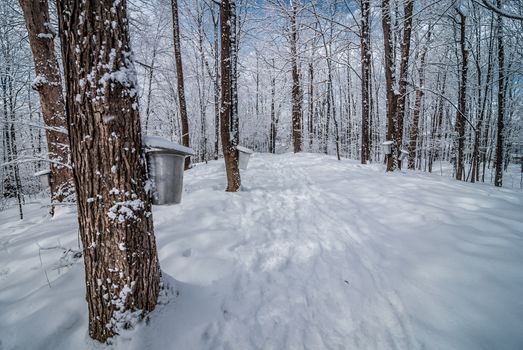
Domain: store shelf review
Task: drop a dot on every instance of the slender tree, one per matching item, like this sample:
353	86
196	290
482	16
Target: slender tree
498	180
114	211
413	135
274	123
296	88
389	82
230	153
403	82
180	80
462	100
365	80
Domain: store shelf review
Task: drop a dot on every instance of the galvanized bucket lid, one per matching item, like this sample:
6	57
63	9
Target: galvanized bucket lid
42	172
156	143
244	149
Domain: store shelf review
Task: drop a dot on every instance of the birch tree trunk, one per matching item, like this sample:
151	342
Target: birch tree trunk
122	271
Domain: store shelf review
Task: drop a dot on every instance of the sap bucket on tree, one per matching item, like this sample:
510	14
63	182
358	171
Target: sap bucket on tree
244	155
387	147
165	166
403	154
45	177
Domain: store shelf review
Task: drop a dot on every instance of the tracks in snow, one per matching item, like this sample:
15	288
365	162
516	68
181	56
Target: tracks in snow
306	270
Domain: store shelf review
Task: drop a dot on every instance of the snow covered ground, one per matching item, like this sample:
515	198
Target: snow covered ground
314	253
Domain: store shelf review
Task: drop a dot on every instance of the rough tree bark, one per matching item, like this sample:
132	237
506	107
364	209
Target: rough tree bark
180	81
365	80
48	83
389	83
235	120
404	65
311	105
114	210
273	129
229	151
296	93
498	179
460	114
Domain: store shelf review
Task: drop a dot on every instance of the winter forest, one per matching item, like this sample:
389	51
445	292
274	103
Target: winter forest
261	174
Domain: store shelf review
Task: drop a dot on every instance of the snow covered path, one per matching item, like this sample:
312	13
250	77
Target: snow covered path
312	254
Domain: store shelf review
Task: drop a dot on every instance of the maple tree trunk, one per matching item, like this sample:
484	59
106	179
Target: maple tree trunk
365	81
391	159
498	179
229	151
404	65
296	94
122	271
273	130
311	106
48	84
460	115
235	120
180	80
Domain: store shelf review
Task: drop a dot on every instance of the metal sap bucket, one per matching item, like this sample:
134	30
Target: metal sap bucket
165	166
45	177
244	154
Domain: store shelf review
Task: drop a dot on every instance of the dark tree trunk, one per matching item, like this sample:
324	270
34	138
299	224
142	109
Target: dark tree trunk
229	151
311	105
48	83
149	91
365	81
12	183
404	65
273	130
216	86
235	120
389	83
460	115
114	210
296	93
180	80
498	180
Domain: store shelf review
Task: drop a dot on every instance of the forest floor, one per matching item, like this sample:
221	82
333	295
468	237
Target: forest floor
313	253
